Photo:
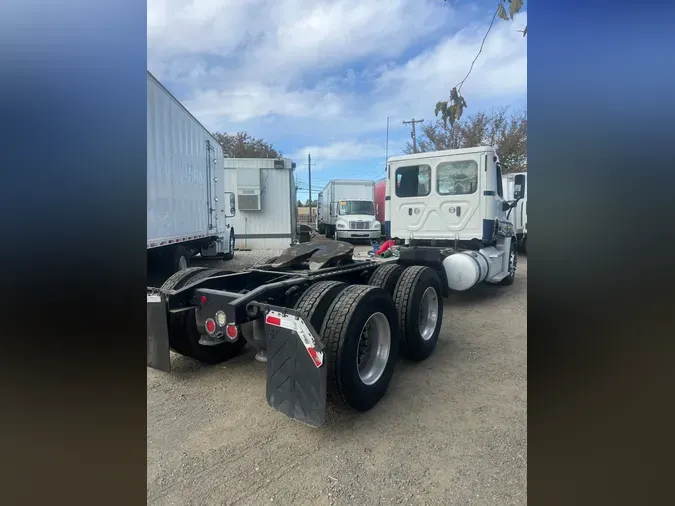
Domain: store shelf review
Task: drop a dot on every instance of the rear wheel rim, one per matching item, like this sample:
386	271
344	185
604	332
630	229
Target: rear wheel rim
428	316
374	348
182	263
232	244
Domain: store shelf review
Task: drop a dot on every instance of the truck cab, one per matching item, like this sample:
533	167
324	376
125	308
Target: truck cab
354	219
449	208
348	210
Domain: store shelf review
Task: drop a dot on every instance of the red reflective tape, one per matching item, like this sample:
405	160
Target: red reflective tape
315	357
273	320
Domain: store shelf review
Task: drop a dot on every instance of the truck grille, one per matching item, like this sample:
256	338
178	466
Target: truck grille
359	225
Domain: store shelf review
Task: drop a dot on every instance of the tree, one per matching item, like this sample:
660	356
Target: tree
307	203
451	110
300	203
507	132
242	145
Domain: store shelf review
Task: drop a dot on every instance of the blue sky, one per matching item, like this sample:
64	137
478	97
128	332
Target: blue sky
322	76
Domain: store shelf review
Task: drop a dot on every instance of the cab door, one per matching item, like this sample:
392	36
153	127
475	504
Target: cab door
411	187
459	192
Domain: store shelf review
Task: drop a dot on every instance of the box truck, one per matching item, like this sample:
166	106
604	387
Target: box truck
348	210
187	205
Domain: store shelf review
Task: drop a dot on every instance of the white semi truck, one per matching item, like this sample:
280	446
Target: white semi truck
449	209
187	206
330	326
347	210
514	186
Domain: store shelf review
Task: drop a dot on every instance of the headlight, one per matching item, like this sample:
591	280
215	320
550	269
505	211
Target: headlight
341	225
377	224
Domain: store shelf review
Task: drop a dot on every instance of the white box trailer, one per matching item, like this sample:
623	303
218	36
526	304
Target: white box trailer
348	210
513	183
266	201
187	206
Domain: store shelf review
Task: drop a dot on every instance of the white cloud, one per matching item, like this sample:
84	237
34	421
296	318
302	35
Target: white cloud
257	101
278	40
349	150
330	72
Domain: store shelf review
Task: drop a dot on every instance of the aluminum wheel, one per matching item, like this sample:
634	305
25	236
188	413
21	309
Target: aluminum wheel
428	317
182	263
231	243
374	348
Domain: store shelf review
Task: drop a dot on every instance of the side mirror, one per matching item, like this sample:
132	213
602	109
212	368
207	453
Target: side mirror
519	186
230	205
506	206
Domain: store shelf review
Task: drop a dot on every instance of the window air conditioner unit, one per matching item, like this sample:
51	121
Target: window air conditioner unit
249	200
248	189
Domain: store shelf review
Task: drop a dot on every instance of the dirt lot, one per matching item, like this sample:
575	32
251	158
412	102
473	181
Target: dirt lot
451	430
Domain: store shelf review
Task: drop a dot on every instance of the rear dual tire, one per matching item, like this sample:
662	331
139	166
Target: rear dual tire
417	293
358	325
418	297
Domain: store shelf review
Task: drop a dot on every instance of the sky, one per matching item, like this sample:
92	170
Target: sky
323	76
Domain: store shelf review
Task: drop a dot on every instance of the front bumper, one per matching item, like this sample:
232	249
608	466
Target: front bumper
341	233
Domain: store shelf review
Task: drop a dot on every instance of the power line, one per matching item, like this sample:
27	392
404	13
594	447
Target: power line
459	86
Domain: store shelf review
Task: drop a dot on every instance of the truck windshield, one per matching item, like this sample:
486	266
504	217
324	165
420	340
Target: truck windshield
355	207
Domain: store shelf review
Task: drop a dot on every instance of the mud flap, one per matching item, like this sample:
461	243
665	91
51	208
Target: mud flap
158	356
296	375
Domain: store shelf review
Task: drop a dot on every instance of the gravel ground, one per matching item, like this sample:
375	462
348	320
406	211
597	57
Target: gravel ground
451	430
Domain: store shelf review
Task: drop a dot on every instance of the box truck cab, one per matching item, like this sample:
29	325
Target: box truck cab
348	210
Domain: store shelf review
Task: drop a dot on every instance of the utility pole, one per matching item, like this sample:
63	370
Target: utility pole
414	137
386	149
309	167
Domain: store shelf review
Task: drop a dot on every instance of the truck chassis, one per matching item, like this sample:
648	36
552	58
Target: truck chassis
331	327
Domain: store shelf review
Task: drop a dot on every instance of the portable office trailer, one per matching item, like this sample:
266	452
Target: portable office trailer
266	201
